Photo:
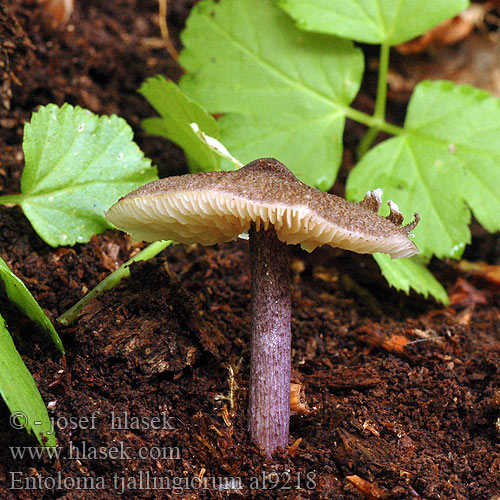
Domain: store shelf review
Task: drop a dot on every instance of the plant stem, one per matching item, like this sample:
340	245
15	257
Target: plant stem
11	199
372	121
367	141
380	102
383	71
112	280
270	365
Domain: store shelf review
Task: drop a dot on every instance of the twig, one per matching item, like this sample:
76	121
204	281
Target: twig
162	15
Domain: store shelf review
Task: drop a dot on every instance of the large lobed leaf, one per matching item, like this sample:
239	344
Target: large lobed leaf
372	21
19	391
18	294
177	111
77	166
445	162
283	92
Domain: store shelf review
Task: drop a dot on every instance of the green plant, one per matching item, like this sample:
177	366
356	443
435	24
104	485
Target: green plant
286	92
17	387
77	165
180	120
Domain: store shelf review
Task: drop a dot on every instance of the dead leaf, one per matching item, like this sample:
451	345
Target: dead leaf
463	294
59	10
449	32
375	336
369	490
491	273
298	405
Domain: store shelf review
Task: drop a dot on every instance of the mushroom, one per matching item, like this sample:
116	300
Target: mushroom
265	200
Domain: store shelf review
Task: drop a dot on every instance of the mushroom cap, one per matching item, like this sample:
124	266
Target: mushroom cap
215	207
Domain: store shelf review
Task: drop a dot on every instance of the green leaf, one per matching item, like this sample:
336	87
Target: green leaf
447	161
77	166
463	122
283	92
21	296
420	176
177	112
404	274
19	391
372	21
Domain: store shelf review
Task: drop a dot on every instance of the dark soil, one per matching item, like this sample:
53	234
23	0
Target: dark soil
400	397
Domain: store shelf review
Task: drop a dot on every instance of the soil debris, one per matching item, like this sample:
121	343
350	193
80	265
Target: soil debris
406	392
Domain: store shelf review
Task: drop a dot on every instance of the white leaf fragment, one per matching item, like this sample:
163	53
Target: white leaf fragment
393	206
378	194
215	145
372	200
395	216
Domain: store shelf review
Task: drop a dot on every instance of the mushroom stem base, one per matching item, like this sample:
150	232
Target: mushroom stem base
270	365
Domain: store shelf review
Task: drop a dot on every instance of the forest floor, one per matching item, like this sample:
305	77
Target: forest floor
399	396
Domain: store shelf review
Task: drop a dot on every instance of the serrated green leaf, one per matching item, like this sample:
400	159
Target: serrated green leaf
177	111
419	177
283	92
20	393
77	166
404	274
372	21
447	161
466	121
18	294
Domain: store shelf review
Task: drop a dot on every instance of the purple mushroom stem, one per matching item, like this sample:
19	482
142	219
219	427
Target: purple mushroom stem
270	364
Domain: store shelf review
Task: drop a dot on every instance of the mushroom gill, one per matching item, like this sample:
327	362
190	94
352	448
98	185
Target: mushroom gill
214	207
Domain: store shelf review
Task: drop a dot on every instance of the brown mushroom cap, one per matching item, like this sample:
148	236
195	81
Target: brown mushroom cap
214	207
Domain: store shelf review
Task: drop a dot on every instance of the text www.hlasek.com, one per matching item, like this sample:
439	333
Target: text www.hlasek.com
85	452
